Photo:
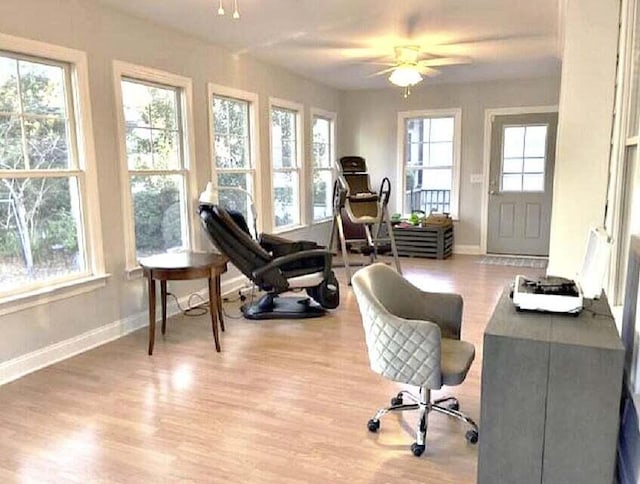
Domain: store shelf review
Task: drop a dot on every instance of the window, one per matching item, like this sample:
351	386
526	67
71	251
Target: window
323	156
233	148
430	150
49	228
524	151
156	163
286	154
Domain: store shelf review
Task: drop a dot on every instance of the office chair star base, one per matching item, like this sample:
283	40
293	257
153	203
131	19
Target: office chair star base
425	406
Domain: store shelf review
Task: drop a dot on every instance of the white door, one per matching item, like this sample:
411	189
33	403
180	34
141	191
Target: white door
521	183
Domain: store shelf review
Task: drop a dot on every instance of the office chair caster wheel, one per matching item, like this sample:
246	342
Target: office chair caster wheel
472	436
396	401
417	450
373	425
455	406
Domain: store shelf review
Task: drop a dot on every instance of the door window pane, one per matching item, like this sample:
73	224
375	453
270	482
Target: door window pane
523	162
535	143
532	183
534	165
513	142
512	183
512	165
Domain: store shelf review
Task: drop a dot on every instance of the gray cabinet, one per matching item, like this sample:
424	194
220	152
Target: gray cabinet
550	396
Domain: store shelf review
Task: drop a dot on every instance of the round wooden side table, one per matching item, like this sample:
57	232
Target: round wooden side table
182	266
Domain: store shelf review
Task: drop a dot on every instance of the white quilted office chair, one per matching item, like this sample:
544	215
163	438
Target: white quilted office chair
413	337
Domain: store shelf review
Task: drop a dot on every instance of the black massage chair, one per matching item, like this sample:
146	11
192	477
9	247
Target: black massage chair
275	265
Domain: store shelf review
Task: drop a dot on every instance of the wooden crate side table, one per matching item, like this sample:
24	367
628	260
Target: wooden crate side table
434	241
184	266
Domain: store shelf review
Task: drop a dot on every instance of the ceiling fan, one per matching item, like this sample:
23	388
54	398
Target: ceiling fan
408	67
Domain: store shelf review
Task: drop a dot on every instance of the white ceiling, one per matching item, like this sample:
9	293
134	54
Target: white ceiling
337	41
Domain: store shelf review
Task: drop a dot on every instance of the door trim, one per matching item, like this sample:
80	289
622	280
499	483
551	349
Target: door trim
486	158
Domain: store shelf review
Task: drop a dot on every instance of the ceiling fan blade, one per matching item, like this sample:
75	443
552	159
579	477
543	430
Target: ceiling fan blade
493	39
411	24
444	61
428	71
373	63
382	72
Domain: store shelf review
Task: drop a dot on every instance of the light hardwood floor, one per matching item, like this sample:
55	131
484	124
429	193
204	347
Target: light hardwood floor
285	401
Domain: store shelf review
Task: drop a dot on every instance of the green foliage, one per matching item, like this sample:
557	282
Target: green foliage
157	215
37	221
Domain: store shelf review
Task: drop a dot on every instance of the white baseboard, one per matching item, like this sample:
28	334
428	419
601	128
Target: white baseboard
467	249
24	364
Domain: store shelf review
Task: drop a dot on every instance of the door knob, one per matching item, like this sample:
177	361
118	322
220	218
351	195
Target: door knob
493	192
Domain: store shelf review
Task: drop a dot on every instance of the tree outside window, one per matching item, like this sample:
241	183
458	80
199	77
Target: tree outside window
285	166
155	159
233	157
41	228
322	170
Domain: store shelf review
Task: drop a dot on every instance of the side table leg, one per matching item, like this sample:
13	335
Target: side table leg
214	319
152	313
219	302
163	299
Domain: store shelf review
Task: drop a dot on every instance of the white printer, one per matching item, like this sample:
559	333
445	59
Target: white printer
561	295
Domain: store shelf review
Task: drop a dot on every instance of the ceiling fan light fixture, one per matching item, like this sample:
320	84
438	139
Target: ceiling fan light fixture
405	76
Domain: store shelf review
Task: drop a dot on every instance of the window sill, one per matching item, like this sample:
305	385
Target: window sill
322	221
134	273
288	228
46	295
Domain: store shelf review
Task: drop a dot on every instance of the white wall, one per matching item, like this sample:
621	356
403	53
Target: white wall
584	129
106	35
369	128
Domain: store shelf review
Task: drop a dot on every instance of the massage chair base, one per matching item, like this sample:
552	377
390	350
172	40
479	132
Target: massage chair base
275	307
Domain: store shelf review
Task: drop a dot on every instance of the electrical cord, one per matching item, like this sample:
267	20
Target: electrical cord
201	307
192	310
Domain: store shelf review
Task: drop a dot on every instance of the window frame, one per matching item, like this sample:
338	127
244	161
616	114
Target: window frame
136	73
298	108
82	152
332	118
253	100
403	116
